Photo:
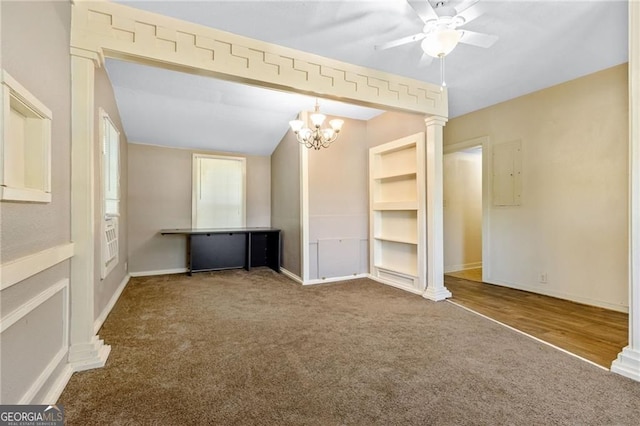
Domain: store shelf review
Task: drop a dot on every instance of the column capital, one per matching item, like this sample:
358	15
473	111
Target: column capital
96	57
435	120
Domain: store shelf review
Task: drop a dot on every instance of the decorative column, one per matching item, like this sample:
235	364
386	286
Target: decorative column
435	236
86	351
628	361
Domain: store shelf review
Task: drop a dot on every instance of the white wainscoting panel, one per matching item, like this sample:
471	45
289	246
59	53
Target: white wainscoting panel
33	316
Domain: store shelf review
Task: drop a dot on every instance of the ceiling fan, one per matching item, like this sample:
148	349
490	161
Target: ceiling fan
443	22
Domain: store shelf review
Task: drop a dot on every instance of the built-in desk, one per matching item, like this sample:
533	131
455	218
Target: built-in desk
230	248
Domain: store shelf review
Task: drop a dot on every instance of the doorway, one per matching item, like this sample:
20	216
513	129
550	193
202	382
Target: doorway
463	211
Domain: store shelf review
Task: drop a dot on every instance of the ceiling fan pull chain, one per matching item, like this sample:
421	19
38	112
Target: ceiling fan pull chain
444	83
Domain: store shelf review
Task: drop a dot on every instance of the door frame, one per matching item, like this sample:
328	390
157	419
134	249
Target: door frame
484	143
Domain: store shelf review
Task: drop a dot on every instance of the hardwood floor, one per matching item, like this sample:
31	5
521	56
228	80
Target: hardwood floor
593	333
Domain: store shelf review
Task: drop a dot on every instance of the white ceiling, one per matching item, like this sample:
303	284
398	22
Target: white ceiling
541	43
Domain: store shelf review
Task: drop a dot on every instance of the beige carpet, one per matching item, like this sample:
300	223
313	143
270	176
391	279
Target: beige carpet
239	348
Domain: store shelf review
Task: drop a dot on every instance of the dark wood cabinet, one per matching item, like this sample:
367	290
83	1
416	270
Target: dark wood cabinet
217	249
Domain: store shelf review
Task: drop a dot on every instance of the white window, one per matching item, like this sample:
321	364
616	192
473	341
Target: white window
110	143
25	145
218	191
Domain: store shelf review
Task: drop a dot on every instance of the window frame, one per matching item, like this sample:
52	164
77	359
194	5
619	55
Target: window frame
109	223
195	184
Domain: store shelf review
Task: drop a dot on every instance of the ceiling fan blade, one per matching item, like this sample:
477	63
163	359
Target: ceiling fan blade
462	5
400	41
478	39
424	9
471	13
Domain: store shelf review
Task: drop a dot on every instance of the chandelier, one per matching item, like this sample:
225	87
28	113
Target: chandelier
316	137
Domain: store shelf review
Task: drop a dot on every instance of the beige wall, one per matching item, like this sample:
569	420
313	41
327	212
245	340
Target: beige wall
37	56
572	224
339	205
159	196
285	201
39	60
105	289
393	125
462	210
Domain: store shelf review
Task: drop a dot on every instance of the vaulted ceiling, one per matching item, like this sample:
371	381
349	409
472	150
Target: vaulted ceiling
540	43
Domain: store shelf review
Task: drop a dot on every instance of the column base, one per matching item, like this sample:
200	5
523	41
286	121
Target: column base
436	294
86	356
627	364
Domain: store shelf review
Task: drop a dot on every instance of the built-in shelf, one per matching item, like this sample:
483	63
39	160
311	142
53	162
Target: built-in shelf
25	145
397	206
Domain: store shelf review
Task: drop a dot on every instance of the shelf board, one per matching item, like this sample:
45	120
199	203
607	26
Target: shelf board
404	174
397	240
396	205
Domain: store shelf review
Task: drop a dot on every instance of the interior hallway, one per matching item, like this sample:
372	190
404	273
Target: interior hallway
593	333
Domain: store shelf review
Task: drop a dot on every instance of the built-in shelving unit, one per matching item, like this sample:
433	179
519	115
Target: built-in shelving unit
397	205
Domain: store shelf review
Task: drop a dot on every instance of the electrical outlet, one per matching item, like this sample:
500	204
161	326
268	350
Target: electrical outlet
543	278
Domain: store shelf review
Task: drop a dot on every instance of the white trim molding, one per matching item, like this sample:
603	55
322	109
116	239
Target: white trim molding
334	279
291	275
20	269
396	284
628	361
158	272
97	324
436	289
123	32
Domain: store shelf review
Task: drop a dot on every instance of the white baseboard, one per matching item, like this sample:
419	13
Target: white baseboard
335	279
463	267
291	275
37	385
627	364
560	295
159	272
112	302
51	397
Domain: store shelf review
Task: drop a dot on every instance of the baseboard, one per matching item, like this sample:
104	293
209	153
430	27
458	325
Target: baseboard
158	272
560	295
334	279
97	324
394	284
627	364
44	376
291	275
464	267
51	397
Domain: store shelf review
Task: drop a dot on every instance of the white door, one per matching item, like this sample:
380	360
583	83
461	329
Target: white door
218	192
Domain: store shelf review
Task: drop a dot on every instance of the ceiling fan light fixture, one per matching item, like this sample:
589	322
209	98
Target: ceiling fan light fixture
441	42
